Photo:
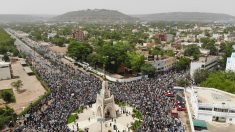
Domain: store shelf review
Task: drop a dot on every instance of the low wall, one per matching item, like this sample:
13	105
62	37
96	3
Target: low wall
188	108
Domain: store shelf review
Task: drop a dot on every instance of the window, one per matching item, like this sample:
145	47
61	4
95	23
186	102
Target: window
220	110
202	108
231	111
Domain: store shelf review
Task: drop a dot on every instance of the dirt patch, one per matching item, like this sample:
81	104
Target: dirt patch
32	88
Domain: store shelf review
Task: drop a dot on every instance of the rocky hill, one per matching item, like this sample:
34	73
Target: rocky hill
94	16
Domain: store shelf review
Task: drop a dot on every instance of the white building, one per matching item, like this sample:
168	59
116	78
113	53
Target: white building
5	72
210	104
230	66
163	64
209	62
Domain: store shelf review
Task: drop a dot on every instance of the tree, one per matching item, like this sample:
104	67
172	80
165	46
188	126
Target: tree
183	82
220	80
200	75
59	41
157	51
7	96
135	61
147	69
79	51
6	58
182	63
210	45
17	85
192	50
6	115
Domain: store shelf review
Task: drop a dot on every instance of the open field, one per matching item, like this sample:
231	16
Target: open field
31	90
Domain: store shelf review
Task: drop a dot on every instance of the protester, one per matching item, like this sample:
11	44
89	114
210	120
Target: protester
71	89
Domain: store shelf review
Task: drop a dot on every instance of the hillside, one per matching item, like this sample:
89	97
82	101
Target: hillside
11	18
94	16
186	16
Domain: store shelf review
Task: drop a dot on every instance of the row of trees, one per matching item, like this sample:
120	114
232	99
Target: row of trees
215	79
7	45
6	116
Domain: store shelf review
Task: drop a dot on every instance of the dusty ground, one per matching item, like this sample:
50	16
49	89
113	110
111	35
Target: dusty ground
94	126
31	89
57	49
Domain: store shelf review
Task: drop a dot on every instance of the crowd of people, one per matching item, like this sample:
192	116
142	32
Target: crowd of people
71	89
147	96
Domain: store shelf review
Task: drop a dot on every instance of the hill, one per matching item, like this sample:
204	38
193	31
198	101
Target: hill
94	16
186	16
11	18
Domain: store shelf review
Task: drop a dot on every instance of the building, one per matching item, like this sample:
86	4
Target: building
5	70
161	36
105	104
230	65
163	64
210	104
208	63
79	35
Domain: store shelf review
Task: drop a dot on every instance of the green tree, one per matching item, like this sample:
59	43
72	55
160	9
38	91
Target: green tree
147	69
135	61
17	85
183	82
79	51
192	50
220	80
59	41
157	51
6	115
7	96
6	58
200	75
182	63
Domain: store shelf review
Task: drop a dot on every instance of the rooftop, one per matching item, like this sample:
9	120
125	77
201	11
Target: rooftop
214	96
207	59
4	64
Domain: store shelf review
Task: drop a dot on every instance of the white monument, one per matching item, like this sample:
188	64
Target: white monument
105	105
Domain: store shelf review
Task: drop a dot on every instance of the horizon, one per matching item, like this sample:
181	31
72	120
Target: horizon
53	7
118	11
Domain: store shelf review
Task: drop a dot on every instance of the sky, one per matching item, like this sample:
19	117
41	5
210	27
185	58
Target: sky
55	7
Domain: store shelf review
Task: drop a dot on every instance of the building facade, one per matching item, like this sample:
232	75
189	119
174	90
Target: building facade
230	65
79	35
210	104
164	64
208	63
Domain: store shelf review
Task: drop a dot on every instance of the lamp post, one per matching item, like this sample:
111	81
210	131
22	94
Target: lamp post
101	122
104	64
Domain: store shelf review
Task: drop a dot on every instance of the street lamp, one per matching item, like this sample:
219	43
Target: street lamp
100	119
105	59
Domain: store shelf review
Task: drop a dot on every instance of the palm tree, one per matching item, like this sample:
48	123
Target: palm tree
157	51
17	85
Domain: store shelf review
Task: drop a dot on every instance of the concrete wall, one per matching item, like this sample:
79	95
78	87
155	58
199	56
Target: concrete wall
205	116
5	73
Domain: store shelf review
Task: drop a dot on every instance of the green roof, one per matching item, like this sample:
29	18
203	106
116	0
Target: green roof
199	123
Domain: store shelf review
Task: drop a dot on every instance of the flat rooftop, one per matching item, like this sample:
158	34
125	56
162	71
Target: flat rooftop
208	59
214	96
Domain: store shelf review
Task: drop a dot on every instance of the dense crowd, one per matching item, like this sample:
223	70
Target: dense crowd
72	88
148	97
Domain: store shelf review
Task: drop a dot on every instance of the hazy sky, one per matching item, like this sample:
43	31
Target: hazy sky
125	6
